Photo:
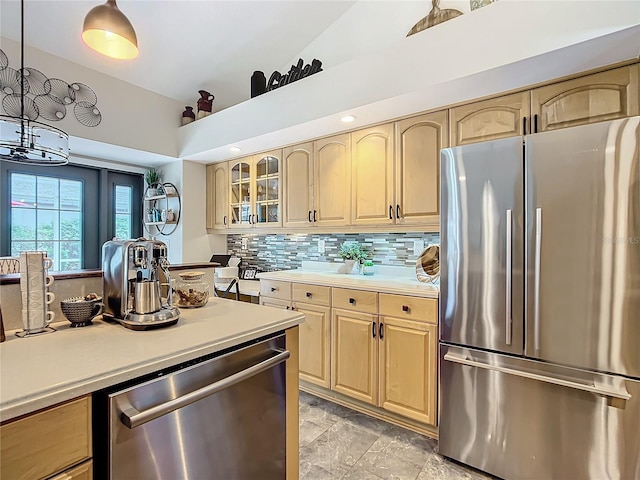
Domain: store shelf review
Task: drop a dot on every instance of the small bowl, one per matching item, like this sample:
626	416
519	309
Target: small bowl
79	311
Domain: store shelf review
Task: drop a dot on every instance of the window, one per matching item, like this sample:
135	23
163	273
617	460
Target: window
67	211
46	215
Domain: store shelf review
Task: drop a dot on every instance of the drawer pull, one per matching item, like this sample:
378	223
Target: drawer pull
273	289
352	301
288	307
308	294
405	308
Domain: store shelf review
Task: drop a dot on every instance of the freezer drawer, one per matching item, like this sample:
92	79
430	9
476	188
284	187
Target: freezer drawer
526	419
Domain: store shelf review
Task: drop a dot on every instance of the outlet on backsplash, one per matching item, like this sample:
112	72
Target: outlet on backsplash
418	247
245	243
321	246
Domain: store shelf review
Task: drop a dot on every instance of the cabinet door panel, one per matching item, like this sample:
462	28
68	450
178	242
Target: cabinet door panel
489	119
354	355
418	144
268	189
298	185
408	372
315	351
372	195
332	176
240	193
594	98
217	195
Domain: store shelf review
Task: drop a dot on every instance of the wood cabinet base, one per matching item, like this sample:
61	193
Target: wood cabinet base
367	409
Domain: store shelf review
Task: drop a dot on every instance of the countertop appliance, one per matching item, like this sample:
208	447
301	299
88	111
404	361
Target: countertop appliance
131	284
540	304
213	418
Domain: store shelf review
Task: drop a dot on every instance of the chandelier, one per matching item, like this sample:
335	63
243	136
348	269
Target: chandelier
22	139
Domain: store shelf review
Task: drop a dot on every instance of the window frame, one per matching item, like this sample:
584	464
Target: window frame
98	203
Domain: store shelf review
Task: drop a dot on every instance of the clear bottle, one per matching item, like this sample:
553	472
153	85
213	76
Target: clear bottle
191	290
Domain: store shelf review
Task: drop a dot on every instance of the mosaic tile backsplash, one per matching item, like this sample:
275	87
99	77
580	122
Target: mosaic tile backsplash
287	251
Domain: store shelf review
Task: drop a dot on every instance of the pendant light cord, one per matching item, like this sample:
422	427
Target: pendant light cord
22	73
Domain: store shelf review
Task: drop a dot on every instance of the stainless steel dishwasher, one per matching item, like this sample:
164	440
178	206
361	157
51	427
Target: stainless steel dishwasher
221	418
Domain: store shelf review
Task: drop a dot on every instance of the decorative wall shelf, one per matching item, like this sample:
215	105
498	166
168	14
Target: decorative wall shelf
161	211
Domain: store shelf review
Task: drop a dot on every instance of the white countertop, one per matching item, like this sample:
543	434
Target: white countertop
43	370
388	282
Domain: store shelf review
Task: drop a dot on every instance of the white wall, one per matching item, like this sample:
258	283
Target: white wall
190	242
131	116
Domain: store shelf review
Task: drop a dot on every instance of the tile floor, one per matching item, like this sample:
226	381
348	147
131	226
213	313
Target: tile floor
339	443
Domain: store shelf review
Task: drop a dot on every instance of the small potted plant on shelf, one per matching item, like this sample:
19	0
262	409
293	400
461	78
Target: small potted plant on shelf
352	253
152	178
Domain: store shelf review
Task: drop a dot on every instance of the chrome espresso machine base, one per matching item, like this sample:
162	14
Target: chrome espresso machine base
136	321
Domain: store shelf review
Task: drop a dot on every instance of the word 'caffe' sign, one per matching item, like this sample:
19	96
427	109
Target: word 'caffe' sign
259	85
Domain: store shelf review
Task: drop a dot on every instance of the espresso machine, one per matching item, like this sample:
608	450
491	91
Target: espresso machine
132	287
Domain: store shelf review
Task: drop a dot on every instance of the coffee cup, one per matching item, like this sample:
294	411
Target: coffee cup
50	316
48	280
50	297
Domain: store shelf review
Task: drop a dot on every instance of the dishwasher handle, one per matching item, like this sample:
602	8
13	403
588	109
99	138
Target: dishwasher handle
133	418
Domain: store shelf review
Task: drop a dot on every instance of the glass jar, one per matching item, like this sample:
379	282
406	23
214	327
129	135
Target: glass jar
191	290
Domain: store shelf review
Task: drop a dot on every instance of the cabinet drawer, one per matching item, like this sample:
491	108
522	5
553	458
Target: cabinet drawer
47	442
314	294
359	300
412	308
275	289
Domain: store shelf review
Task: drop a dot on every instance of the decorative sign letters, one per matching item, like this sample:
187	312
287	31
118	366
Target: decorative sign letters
277	80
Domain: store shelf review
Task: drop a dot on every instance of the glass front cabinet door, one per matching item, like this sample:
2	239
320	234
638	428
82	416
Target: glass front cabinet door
256	191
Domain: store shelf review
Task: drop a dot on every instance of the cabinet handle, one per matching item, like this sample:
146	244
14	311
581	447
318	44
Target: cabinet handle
381	331
405	308
308	294
250	217
398	211
524	125
310	217
352	301
273	289
390	212
373	329
315	217
535	123
224	220
287	307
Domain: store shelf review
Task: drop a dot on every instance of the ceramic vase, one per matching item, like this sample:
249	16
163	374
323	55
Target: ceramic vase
347	266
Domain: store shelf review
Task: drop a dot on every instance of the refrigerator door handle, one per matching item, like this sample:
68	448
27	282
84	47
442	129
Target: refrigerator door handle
591	387
508	317
536	292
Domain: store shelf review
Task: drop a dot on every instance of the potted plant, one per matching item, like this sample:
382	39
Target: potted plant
352	253
152	178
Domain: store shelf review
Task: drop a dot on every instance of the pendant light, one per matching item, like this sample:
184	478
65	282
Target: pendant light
108	31
24	140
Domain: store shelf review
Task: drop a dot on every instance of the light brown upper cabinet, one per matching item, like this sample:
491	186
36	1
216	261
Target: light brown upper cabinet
217	195
417	167
490	119
594	98
298	185
331	180
255	191
372	165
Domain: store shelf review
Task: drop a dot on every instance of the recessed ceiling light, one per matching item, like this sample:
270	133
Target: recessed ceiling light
348	118
235	149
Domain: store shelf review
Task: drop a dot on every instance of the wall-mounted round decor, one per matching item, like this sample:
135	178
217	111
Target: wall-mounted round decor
10	81
88	115
4	60
61	90
37	81
12	106
84	93
50	107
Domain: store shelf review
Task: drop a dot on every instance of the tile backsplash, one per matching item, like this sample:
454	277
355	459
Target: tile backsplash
287	251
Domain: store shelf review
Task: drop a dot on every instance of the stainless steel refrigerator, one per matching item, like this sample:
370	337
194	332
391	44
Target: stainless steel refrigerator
540	304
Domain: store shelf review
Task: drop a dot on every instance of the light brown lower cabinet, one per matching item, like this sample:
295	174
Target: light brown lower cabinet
354	354
47	442
84	471
408	370
315	351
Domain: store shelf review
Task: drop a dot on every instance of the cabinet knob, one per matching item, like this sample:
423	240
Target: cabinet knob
352	301
273	289
308	294
288	307
405	308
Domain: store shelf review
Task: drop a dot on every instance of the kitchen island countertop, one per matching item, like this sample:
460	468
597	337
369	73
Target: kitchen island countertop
43	370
